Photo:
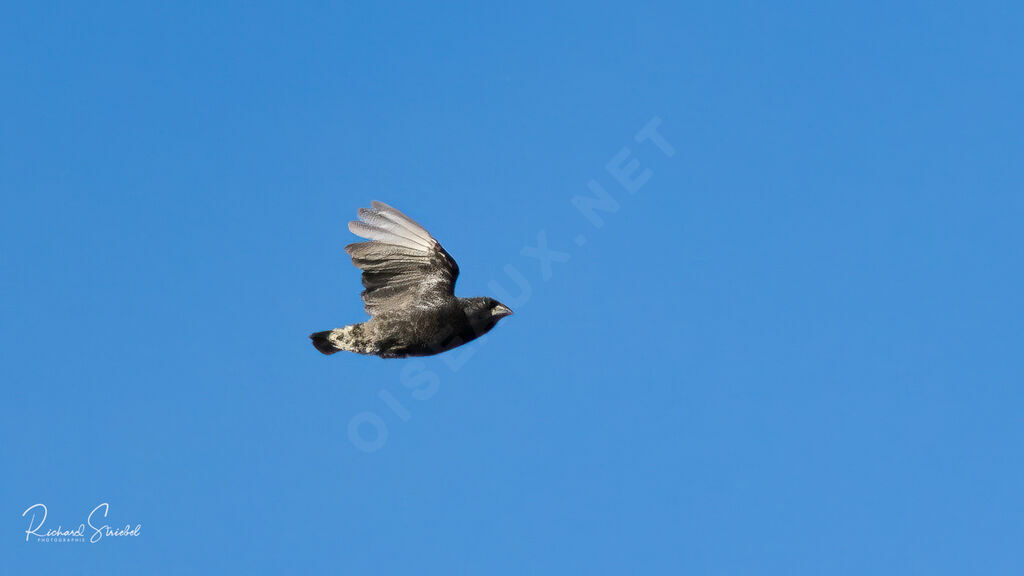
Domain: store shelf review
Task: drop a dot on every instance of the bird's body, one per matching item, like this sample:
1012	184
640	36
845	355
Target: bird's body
410	281
416	332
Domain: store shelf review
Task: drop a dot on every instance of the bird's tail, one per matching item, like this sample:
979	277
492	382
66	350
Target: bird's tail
348	338
322	341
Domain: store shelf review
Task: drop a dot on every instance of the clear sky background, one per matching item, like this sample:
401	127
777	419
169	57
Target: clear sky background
796	349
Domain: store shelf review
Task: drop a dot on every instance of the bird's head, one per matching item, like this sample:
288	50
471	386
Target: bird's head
485	312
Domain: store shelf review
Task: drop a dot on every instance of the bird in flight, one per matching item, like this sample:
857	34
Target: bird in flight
409	283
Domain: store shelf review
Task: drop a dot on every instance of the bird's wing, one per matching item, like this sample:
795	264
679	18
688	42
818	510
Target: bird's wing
403	266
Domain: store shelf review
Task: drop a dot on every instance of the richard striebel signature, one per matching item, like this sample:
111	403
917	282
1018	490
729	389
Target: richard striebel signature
76	534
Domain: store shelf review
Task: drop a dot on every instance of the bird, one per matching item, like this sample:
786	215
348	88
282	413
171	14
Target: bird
409	282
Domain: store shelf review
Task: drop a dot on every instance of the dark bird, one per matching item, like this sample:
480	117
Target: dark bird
410	293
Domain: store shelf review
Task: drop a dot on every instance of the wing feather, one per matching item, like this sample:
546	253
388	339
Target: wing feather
377	220
373	233
403	265
401	219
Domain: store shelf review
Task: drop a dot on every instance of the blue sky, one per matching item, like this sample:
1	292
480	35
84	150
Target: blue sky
795	349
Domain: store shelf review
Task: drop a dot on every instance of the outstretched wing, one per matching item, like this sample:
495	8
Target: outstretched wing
403	266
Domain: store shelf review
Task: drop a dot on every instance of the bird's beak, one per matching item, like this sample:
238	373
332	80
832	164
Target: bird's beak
501	311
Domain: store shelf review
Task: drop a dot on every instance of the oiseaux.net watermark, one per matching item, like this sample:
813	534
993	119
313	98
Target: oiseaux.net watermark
368	431
95	528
